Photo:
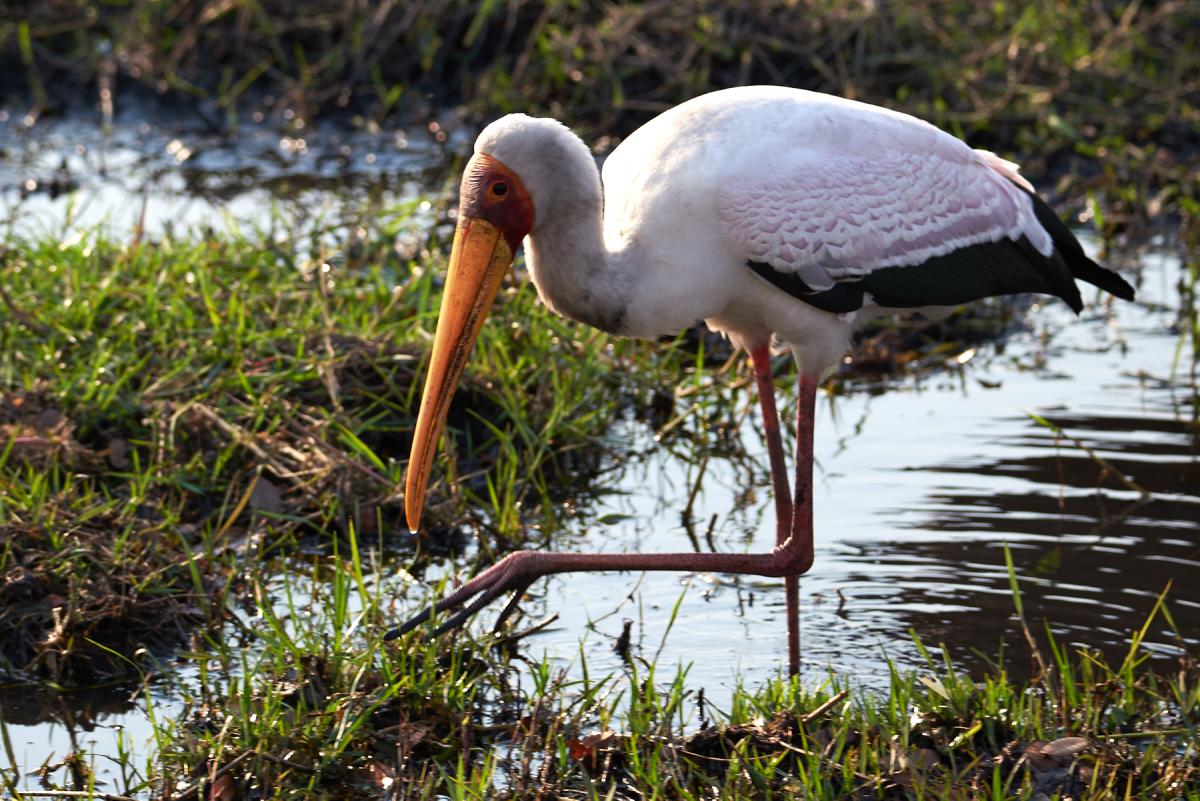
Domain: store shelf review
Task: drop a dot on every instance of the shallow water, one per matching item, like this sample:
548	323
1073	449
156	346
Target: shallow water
163	170
166	172
918	490
920	482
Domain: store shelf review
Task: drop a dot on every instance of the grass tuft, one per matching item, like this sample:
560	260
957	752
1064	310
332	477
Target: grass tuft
168	408
457	718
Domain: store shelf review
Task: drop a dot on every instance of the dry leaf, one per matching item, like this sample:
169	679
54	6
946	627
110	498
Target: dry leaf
1036	759
587	747
266	497
48	420
223	789
1064	749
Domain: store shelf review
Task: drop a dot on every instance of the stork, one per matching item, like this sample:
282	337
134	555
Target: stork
770	214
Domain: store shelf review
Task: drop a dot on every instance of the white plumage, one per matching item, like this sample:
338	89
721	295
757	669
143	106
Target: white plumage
841	217
828	188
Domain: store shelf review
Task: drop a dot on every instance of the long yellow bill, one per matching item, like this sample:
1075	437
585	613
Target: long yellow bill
478	260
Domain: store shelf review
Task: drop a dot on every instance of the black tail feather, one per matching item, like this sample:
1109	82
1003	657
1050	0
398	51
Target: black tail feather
1072	253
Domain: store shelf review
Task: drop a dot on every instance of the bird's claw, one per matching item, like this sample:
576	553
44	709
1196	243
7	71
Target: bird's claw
507	574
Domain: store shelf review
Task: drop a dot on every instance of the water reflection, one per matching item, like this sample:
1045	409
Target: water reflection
1089	547
25	705
45	726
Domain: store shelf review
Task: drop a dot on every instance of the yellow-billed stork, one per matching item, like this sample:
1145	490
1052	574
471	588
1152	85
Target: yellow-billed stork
763	211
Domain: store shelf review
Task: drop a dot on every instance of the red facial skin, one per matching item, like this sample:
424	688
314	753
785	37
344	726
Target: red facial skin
492	192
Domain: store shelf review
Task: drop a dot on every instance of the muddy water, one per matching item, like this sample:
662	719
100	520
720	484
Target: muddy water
920	482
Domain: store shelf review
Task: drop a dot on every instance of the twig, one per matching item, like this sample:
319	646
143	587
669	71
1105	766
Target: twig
336	456
825	707
74	794
1133	735
1095	457
237	510
691	501
516	637
288	763
240	436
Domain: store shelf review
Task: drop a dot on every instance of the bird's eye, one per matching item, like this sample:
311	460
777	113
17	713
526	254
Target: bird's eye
499	189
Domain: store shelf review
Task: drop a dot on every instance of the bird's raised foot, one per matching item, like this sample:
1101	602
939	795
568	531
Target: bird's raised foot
518	570
514	572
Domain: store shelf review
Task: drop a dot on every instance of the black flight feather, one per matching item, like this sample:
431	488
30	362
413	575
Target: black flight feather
1081	266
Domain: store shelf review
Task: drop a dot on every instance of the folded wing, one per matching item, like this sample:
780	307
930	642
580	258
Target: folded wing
903	229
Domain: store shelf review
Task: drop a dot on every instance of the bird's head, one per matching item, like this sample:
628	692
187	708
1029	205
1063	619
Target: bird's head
521	165
496	210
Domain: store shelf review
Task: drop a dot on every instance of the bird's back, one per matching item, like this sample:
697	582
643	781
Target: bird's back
842	205
825	193
755	130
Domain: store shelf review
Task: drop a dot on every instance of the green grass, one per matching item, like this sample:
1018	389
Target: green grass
181	419
199	398
308	702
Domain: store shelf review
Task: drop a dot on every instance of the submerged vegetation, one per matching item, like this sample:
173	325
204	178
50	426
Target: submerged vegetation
201	437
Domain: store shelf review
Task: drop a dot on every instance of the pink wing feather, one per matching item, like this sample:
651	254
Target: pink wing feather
838	217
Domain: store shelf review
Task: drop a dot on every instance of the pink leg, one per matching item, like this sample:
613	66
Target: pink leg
761	358
793	557
801	527
519	569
